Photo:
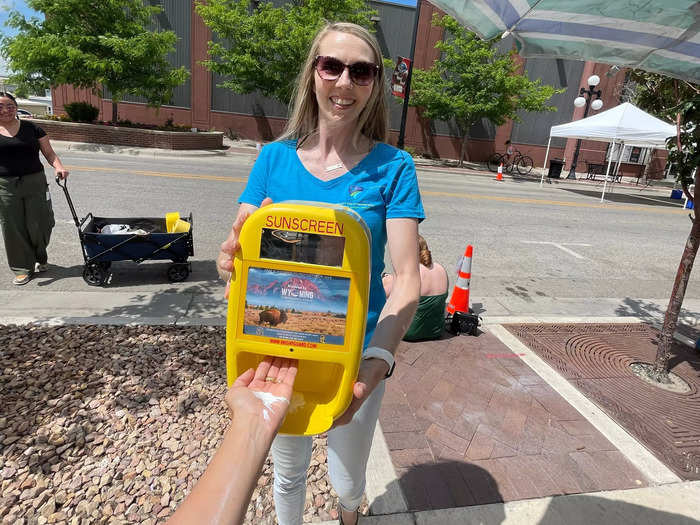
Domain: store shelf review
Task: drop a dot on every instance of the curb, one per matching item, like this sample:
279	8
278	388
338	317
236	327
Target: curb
84	147
480	171
488	322
115	321
673	503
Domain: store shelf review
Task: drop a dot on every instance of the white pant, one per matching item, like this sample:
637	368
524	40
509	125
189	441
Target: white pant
348	450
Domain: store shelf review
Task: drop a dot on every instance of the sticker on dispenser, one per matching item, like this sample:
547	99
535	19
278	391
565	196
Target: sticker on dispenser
309	248
296	306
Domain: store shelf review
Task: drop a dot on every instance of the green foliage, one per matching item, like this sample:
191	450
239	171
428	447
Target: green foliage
260	47
678	102
90	44
81	111
473	80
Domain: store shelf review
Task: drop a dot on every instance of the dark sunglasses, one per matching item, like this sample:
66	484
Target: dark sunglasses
330	68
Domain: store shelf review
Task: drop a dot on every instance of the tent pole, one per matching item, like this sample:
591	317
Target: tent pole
619	158
605	181
545	161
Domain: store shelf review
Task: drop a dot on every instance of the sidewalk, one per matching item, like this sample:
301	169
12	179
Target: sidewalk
479	432
472	429
105	306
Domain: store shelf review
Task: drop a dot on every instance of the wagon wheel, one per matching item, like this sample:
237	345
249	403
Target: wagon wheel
178	272
95	274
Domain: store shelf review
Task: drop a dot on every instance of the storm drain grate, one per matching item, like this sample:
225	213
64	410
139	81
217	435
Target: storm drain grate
596	358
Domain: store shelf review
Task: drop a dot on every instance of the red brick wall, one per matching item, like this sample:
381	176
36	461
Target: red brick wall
144	138
248	126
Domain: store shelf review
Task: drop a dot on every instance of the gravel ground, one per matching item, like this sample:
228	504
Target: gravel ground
106	424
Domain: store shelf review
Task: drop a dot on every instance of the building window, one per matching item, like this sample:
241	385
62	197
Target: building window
630	154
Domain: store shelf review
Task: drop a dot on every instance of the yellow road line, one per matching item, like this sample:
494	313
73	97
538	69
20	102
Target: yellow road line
158	173
520	200
475	196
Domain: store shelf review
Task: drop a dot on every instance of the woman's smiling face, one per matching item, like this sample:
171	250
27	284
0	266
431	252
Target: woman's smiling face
8	109
341	101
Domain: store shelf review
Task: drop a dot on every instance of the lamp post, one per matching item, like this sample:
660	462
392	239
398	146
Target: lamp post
407	89
584	99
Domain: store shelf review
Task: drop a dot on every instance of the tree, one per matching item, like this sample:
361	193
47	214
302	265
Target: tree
91	44
260	47
678	102
471	81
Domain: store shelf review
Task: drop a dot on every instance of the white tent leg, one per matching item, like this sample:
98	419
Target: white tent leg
607	171
546	155
619	158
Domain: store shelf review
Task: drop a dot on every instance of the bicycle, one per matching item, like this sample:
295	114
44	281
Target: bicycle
521	162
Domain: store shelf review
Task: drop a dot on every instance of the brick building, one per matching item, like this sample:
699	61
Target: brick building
200	103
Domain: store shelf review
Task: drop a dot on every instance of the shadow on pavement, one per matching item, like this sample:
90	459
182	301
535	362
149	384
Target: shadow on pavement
445	485
584	510
623	198
481	501
124	274
57	273
688	321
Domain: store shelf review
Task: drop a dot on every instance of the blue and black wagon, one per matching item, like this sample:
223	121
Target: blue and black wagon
152	242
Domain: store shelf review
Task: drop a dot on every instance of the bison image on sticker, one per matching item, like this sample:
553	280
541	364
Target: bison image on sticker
272	317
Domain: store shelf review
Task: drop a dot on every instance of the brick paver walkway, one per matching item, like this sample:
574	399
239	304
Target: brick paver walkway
467	422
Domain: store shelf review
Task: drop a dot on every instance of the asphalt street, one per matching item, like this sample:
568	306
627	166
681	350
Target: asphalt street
529	242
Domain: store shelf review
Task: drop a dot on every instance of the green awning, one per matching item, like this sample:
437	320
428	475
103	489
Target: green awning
655	35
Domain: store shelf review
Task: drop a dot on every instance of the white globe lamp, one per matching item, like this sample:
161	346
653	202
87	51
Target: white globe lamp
596	104
579	102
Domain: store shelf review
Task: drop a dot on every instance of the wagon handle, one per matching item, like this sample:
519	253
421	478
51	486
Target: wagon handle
64	187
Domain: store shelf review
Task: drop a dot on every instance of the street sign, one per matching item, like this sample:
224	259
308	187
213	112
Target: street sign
399	77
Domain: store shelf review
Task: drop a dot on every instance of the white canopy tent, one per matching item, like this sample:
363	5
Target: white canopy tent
623	124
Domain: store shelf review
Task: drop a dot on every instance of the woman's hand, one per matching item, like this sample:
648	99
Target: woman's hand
258	401
372	371
261	397
224	261
62	173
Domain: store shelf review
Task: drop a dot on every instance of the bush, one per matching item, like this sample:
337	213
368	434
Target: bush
81	111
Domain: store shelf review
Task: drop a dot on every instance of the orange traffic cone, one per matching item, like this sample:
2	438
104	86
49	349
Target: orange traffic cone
459	302
499	177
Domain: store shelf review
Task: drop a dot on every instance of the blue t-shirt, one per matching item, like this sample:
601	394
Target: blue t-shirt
382	186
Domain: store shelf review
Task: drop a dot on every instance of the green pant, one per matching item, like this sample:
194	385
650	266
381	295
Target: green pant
26	217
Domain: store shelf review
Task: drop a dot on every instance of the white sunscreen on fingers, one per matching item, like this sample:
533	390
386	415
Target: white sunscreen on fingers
268	400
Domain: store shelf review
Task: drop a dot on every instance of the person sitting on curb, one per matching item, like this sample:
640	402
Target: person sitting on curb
429	318
258	401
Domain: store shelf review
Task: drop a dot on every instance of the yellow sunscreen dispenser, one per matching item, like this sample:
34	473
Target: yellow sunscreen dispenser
300	290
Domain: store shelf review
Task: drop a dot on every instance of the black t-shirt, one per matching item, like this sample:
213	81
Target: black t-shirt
19	155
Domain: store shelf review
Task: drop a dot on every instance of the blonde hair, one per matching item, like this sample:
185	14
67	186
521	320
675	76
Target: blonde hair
373	121
423	252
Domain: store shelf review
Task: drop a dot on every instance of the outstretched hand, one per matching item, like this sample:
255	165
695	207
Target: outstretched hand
372	371
264	394
224	261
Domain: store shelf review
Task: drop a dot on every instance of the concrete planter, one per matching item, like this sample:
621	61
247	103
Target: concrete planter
119	136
